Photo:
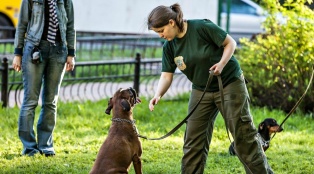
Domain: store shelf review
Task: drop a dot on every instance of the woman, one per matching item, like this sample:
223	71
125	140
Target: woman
48	30
195	47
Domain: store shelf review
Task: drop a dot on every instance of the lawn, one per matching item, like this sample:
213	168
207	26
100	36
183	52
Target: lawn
82	127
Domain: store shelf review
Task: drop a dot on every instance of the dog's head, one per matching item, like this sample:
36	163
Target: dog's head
126	98
270	125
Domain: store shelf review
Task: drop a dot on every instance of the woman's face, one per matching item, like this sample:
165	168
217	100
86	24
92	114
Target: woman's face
168	31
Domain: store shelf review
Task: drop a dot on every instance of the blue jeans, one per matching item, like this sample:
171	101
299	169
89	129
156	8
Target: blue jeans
48	74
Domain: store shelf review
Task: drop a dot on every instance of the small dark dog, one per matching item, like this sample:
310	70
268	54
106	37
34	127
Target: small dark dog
122	146
265	129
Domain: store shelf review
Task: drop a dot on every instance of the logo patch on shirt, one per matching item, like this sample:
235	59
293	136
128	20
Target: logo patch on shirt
180	63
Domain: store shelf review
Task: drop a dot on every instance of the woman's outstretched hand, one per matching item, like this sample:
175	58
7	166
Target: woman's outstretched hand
153	102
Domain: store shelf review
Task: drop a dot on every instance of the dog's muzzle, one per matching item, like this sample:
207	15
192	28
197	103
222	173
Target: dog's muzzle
133	95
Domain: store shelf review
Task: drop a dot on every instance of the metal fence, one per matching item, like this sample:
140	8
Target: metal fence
104	46
6	32
104	63
113	47
96	80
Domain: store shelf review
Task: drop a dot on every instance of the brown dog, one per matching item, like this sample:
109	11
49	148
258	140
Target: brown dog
122	146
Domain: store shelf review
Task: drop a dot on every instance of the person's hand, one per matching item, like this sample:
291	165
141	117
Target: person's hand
17	61
70	63
153	102
217	68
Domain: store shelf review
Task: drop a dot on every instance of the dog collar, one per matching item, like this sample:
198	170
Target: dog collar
123	120
128	121
263	142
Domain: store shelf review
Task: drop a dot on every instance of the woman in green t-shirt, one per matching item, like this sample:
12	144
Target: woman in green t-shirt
195	47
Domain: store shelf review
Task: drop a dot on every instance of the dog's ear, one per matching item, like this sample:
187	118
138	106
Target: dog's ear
110	105
261	126
125	105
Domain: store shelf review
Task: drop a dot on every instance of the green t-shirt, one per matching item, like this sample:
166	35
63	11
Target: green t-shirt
199	49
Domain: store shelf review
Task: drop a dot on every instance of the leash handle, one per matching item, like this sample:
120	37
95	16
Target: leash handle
210	78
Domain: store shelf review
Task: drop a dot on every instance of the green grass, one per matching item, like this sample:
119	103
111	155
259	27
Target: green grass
82	127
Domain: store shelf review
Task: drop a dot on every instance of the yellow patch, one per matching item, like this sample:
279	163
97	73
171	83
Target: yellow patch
180	63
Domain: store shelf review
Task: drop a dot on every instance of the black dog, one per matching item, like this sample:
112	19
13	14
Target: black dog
265	129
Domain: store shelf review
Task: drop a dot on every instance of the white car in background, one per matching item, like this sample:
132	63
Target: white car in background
245	18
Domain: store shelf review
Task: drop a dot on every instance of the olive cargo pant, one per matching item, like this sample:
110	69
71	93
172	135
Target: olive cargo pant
199	129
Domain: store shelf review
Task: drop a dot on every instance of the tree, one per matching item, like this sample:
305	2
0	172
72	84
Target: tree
278	62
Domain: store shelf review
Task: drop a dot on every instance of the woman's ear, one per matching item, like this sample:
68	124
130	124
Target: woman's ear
172	22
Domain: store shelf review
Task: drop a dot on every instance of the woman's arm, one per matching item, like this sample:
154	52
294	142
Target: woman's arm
24	17
70	35
70	30
229	45
163	85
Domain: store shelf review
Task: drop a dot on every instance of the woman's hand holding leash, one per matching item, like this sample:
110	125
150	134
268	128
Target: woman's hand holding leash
217	68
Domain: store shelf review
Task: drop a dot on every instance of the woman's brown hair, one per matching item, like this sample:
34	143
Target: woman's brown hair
161	15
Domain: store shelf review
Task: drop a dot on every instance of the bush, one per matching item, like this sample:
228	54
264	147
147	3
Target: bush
278	63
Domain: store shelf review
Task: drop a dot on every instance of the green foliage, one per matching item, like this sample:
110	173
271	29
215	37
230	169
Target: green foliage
82	127
278	63
6	48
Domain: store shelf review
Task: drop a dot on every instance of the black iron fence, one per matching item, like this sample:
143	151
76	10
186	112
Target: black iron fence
113	47
4	82
96	80
104	46
105	62
6	32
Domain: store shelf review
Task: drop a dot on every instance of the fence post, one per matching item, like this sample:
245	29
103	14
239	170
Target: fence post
4	83
136	83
